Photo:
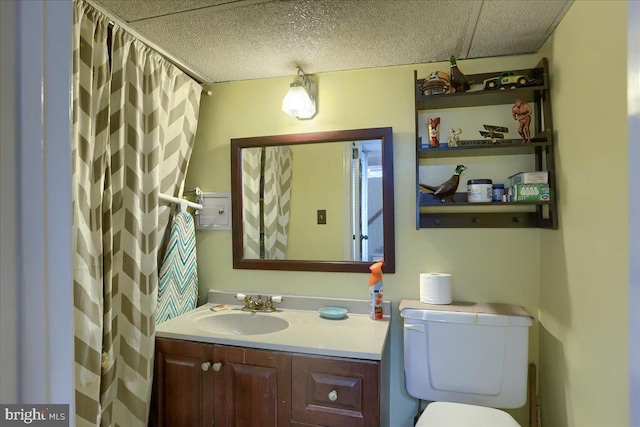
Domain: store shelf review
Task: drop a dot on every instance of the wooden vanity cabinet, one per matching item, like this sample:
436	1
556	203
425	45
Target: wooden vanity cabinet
182	392
332	391
252	388
198	384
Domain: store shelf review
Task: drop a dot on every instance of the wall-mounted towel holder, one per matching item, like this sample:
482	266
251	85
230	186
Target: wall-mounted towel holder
183	204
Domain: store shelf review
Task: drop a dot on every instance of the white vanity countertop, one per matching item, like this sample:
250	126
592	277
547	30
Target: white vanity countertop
355	336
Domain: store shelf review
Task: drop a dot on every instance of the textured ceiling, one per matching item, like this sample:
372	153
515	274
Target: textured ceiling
226	40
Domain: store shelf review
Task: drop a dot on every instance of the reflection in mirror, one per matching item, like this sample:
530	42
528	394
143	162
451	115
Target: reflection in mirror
316	201
364	235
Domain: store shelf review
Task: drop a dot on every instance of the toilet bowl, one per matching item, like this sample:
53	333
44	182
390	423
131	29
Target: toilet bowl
467	359
447	414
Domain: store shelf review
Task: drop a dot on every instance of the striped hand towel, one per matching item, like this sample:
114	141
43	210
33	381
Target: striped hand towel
178	286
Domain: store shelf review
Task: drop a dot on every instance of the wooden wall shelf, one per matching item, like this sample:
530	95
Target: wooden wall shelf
428	212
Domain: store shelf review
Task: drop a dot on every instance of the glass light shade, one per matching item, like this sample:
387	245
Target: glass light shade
298	103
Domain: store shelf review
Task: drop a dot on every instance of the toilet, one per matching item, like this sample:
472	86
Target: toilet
466	359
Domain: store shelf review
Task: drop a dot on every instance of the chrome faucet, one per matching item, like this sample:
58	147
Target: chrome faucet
259	305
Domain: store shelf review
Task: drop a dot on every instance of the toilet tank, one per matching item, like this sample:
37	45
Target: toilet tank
466	357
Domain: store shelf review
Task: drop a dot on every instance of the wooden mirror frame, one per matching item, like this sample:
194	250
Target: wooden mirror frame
385	135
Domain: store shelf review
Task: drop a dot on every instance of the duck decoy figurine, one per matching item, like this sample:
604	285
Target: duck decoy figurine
459	81
447	189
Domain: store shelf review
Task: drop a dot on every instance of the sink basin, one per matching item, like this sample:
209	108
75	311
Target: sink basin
240	323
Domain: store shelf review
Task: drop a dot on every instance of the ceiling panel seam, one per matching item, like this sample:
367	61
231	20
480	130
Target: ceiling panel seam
199	11
471	29
553	25
230	40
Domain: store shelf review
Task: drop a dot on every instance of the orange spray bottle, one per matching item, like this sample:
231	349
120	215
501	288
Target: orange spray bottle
375	291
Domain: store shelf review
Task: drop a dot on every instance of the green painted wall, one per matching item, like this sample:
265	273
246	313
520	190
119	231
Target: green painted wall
316	183
490	265
573	279
584	265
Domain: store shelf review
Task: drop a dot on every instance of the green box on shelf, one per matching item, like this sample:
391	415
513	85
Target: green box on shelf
530	193
538	177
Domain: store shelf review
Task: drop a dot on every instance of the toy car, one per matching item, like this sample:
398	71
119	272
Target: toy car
508	80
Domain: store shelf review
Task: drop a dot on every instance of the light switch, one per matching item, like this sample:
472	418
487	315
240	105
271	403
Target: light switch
322	216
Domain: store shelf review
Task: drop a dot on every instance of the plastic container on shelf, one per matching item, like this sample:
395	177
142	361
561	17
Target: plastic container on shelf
479	191
497	192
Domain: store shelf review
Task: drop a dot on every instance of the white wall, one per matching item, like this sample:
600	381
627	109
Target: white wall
8	209
36	138
633	88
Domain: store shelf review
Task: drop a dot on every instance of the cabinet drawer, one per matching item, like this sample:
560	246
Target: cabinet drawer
335	392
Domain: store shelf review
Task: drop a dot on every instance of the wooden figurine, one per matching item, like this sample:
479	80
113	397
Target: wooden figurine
434	132
447	189
522	113
494	132
459	81
454	137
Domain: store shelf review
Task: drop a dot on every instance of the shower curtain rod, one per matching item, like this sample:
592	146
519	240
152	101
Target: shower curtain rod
179	201
199	78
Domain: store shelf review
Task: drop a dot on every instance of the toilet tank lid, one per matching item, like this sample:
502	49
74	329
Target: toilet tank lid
467	312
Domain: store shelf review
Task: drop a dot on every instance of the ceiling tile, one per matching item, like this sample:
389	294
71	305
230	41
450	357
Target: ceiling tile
510	27
269	39
132	10
251	39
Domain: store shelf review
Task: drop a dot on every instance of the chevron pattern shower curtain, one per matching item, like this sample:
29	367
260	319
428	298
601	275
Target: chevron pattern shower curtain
134	122
266	194
277	194
251	182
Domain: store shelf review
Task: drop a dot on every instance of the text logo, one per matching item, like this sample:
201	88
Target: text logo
34	415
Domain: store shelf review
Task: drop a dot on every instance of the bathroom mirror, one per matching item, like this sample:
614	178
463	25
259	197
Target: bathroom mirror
320	201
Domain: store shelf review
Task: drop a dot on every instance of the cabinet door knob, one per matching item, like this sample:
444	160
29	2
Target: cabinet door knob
333	395
206	365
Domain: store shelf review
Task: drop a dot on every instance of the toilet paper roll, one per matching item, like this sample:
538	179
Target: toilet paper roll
435	288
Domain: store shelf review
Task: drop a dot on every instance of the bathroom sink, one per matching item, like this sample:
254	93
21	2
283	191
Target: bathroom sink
240	323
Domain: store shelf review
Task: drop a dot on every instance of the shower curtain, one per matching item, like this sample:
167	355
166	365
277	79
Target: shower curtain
134	122
277	194
251	184
266	192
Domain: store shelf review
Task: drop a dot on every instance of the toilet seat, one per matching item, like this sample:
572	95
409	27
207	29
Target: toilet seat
447	414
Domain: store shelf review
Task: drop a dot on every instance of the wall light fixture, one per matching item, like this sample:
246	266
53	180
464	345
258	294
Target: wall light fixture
300	101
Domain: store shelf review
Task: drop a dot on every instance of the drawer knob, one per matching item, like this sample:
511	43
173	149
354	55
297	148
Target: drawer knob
333	395
206	365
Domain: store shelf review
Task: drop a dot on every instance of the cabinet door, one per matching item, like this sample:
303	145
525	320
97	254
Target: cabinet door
182	390
253	388
335	392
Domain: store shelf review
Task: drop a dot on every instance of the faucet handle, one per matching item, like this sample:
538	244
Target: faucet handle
249	304
270	300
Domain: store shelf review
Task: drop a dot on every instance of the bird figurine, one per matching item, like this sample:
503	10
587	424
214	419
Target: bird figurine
459	81
447	189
